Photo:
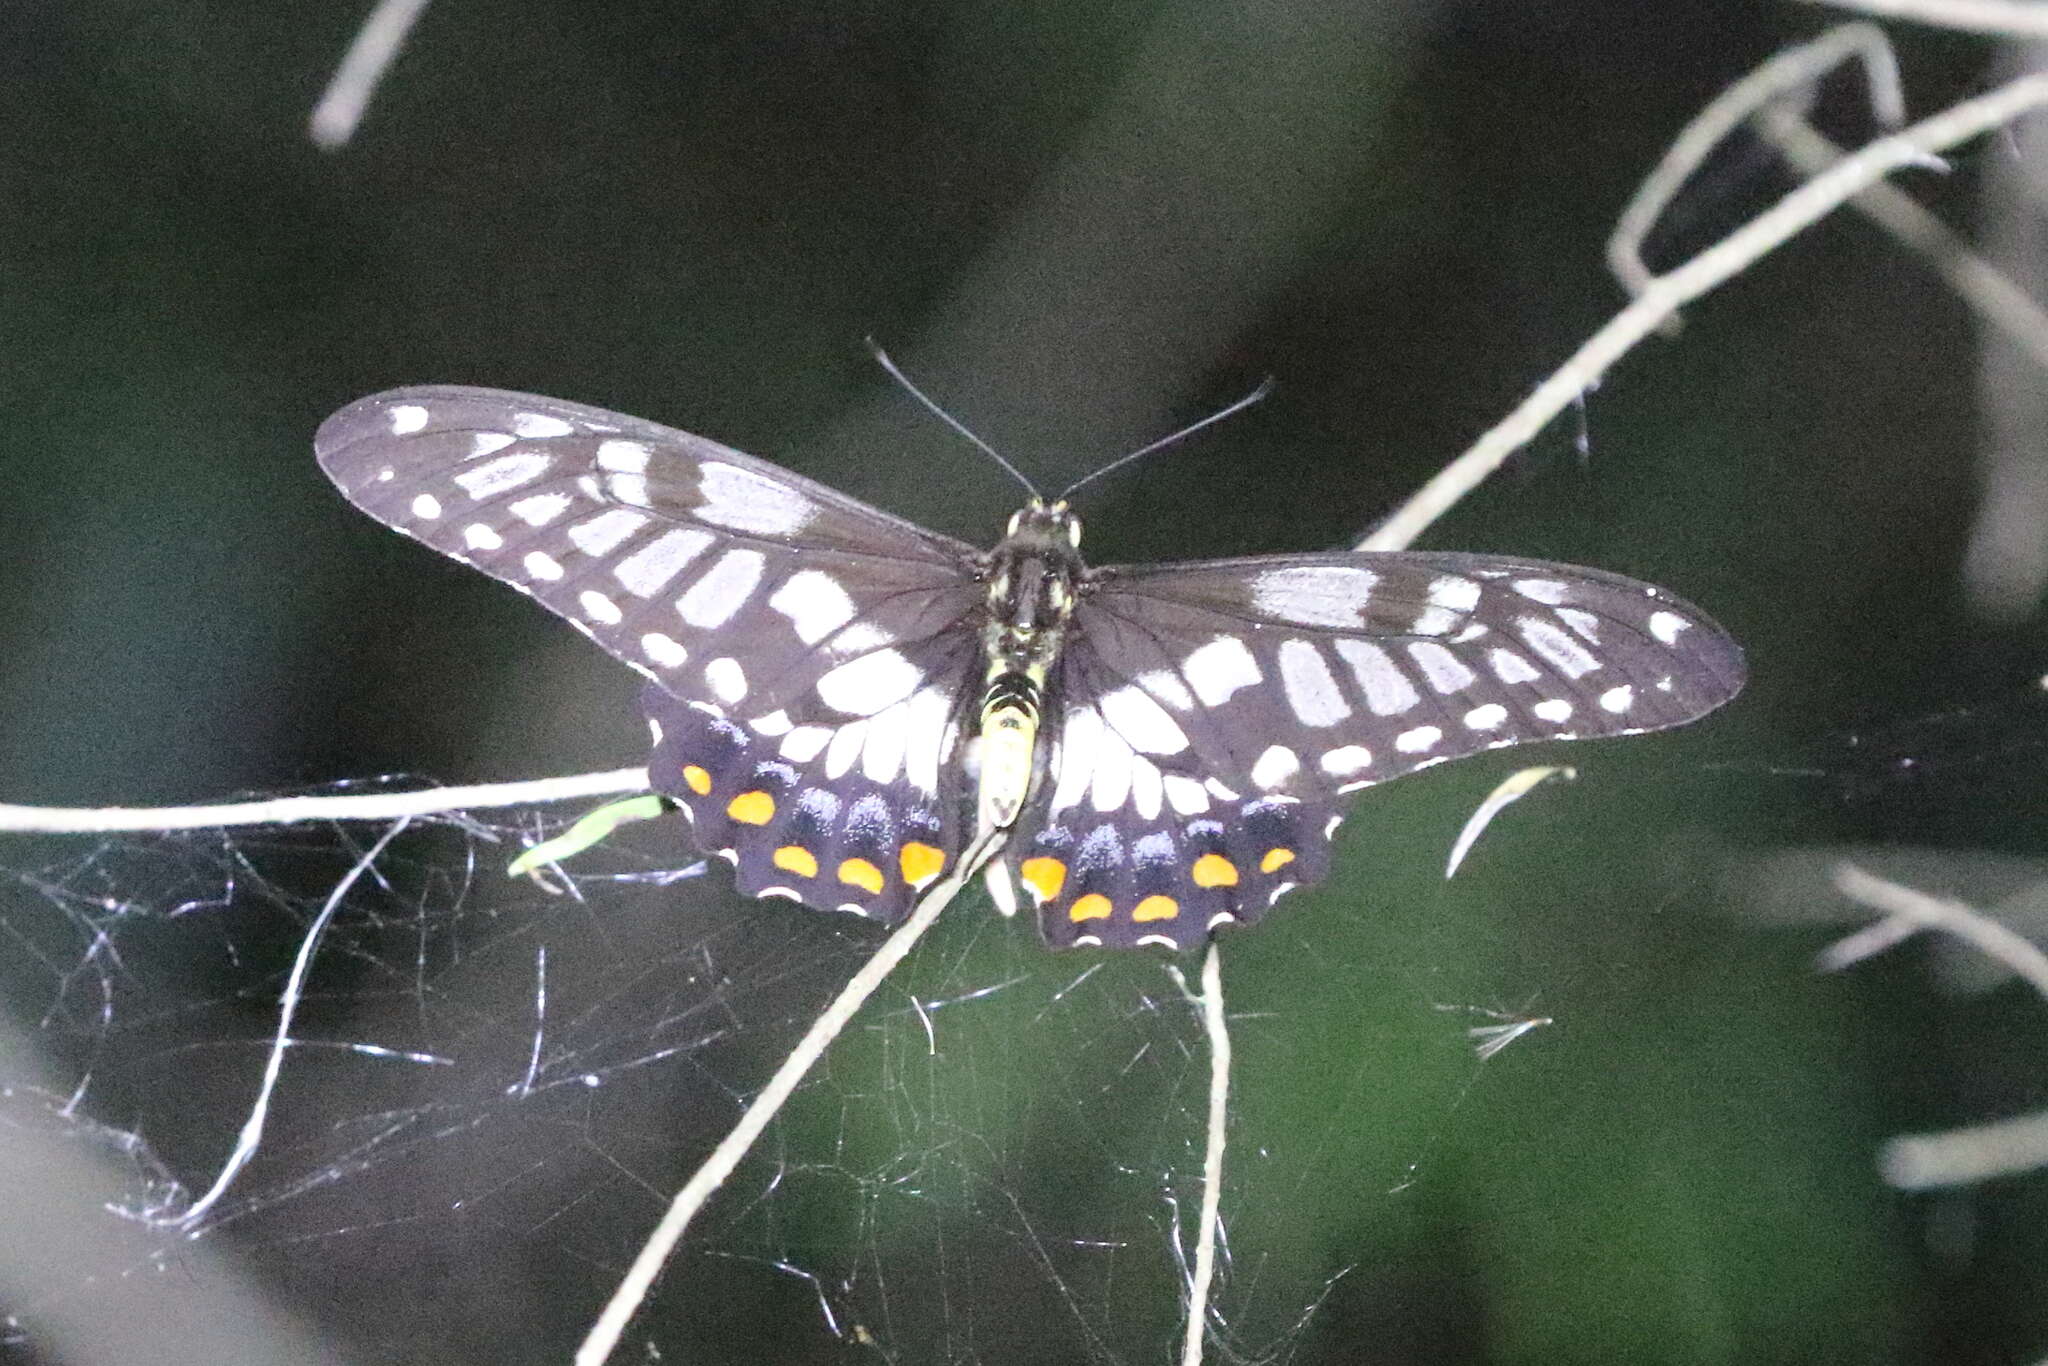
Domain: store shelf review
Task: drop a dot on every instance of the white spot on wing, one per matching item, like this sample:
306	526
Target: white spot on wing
1444	670
1141	722
1556	647
598	607
1387	690
722	589
628	488
606	532
1618	700
1315	595
1582	621
1450	591
664	650
1666	626
477	536
801	745
1276	767
408	418
1488	717
1110	767
1549	592
485	443
928	712
727	679
1346	761
1220	668
426	506
1079	738
1311	689
814	603
864	686
844	751
881	755
541	565
1555	710
774	723
541	508
1185	795
622	457
746	501
1167	688
1510	667
506	472
1417	741
648	570
1147	788
540	425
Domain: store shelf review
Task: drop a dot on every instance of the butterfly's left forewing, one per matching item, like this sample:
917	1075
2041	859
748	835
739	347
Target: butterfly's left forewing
1215	716
804	650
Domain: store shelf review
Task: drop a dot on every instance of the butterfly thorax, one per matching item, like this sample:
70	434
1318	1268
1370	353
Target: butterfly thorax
1033	576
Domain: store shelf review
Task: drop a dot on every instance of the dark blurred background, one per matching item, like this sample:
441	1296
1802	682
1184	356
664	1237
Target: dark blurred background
1079	226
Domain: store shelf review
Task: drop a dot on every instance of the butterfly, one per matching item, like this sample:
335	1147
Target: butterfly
840	700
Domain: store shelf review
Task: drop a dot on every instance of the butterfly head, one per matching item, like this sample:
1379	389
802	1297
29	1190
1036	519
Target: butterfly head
1048	524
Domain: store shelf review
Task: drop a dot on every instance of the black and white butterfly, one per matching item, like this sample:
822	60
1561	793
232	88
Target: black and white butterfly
840	699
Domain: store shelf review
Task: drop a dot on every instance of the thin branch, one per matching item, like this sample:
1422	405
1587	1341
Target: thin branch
251	1137
1966	1157
2020	18
1961	1156
1665	295
654	1254
1796	68
365	806
1980	932
341	109
1980	284
1212	1157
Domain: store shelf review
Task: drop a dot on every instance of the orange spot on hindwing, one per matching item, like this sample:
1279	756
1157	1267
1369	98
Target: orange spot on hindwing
1214	870
751	808
1044	876
921	862
697	780
794	858
1094	906
1275	860
858	872
1156	908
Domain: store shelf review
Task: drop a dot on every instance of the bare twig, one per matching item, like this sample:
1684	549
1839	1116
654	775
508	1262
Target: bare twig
365	806
348	94
2021	18
1662	297
1960	1156
1926	912
1212	1157
1796	68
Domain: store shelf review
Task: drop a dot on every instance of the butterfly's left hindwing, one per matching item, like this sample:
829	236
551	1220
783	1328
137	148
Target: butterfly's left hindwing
1215	716
804	651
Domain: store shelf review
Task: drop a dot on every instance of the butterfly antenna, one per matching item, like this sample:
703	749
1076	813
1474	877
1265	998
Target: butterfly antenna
1265	388
882	359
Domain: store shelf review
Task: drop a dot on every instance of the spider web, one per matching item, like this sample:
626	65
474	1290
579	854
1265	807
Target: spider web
489	1093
